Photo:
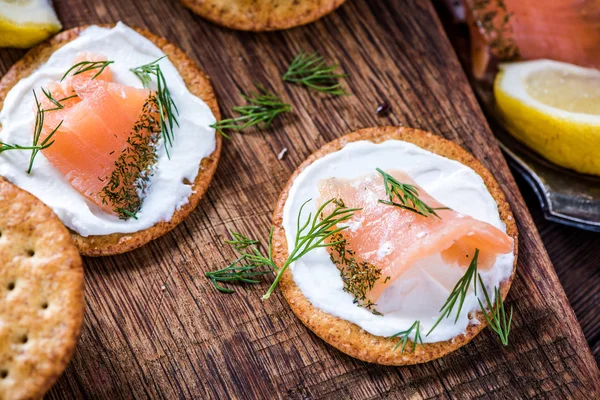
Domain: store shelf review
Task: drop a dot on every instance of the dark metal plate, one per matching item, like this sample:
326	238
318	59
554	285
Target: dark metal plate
566	196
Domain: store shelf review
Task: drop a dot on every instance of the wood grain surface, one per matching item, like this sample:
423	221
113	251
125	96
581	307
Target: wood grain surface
155	327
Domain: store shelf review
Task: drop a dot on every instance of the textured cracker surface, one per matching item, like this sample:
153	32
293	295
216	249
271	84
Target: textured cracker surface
346	336
41	295
262	15
198	84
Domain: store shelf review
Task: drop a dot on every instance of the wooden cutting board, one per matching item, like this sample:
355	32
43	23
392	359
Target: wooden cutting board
155	327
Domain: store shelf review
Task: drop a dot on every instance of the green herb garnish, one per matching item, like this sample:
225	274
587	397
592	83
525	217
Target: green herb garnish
127	213
459	293
57	103
262	108
497	319
234	273
85	66
166	105
246	267
405	196
128	182
359	277
405	336
37	131
311	234
313	71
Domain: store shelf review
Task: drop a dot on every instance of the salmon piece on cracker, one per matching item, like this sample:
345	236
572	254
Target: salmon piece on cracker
390	239
105	140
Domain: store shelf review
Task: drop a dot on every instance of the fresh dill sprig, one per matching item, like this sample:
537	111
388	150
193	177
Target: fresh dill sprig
166	105
126	212
48	95
311	234
241	242
312	71
7	146
246	267
497	319
459	293
57	103
234	273
37	132
405	337
262	108
406	196
85	66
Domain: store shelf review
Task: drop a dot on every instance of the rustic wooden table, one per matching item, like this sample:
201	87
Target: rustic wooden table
155	327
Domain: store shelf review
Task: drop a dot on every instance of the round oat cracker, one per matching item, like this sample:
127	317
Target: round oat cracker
262	15
198	84
346	336
41	295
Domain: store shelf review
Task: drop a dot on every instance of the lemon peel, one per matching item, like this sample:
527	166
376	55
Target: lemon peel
554	108
24	23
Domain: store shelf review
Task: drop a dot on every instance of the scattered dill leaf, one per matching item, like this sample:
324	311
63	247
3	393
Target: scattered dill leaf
234	273
241	242
496	319
85	66
312	71
246	267
311	234
404	337
459	293
261	110
166	105
406	196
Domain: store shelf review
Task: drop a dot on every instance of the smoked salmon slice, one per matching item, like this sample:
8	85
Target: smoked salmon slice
382	241
561	30
106	140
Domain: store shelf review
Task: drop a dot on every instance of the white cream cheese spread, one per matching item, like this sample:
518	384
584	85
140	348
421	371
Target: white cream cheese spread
168	191
422	290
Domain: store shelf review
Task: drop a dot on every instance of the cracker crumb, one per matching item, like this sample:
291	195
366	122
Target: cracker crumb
282	153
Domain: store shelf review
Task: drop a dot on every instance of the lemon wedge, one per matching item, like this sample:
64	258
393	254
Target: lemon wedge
554	108
24	23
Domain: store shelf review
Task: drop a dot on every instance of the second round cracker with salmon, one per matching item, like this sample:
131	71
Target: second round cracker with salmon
346	336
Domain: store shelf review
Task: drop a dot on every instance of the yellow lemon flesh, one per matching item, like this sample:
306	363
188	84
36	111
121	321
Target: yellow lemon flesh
554	108
24	23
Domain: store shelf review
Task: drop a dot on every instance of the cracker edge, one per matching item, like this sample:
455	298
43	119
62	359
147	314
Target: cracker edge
346	336
197	82
69	343
244	23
